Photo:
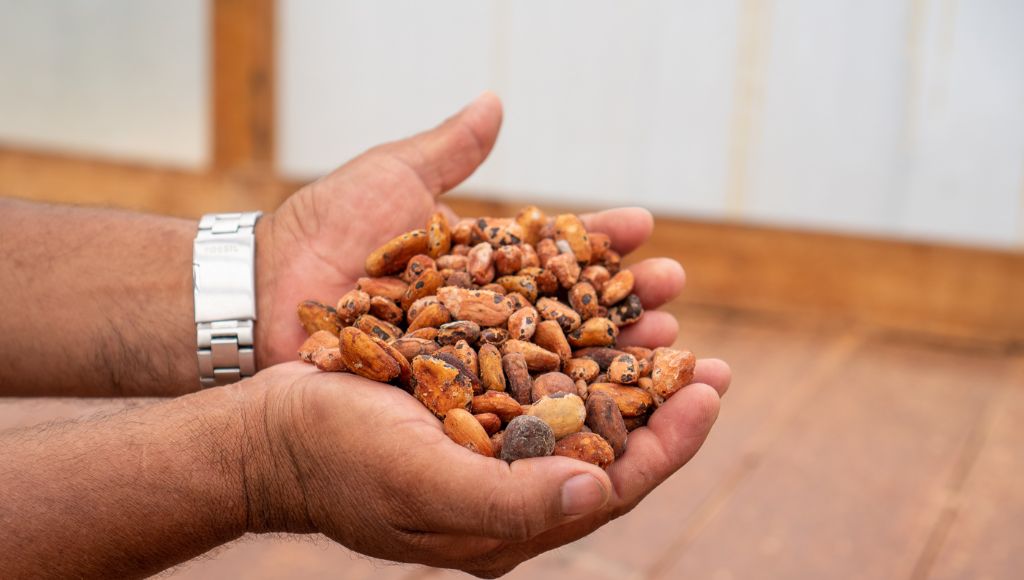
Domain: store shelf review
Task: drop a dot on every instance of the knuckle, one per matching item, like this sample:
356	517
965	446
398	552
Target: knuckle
511	517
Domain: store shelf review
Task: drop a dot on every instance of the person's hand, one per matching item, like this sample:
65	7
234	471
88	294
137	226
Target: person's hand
369	466
315	245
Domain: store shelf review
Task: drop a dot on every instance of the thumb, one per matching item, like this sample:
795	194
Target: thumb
446	155
486	497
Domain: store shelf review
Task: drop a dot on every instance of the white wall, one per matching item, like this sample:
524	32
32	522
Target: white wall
121	78
897	118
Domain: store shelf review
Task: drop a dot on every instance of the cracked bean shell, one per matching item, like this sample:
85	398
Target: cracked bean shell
589	447
671	370
440	386
365	357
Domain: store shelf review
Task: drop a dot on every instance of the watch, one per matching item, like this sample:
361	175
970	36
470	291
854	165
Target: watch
224	287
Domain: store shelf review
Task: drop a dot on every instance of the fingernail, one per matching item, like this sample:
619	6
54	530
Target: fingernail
582	494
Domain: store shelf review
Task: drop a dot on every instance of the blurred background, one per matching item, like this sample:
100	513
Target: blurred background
843	180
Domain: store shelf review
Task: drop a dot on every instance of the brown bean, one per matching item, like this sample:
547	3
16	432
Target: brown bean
583	299
370	324
491	374
538	359
386	310
416	266
589	447
549	336
582	369
594	332
523	323
315	316
632	401
605	419
393	256
564	315
425	284
551	383
439	236
386	286
352	305
518	375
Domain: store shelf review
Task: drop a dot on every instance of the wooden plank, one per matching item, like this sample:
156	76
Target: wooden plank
243	84
854	484
78	180
773	380
273	557
985	508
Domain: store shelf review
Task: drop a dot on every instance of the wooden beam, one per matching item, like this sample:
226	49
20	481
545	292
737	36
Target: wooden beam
949	292
79	180
242	78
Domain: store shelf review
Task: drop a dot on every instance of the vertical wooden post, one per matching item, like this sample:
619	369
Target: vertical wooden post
243	85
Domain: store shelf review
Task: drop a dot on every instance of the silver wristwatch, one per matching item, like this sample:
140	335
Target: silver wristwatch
224	285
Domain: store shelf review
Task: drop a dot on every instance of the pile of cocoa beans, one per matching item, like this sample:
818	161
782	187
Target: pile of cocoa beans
506	330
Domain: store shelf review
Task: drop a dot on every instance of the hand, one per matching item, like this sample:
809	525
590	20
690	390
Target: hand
370	467
315	244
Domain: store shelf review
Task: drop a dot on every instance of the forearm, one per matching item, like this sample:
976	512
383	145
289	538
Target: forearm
131	493
95	302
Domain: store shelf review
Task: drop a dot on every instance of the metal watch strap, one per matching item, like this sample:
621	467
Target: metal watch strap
223	270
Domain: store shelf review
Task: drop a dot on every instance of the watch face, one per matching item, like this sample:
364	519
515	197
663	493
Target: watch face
223	270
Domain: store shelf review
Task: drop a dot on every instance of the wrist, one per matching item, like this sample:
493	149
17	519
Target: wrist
271	475
266	282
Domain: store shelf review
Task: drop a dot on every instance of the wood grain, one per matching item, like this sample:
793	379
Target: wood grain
243	84
982	535
856	480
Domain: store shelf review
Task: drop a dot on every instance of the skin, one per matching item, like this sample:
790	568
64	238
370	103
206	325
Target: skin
98	303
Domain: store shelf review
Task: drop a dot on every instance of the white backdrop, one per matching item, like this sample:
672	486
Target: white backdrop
121	78
876	116
894	118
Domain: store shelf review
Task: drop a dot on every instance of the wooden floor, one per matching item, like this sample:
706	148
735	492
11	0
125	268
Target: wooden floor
841	452
874	429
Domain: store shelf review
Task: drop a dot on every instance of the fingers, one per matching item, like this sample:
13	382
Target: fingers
714	372
657	281
671	438
446	155
655	328
628	227
486	497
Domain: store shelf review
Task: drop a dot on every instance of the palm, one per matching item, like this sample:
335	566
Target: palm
383	478
322	234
